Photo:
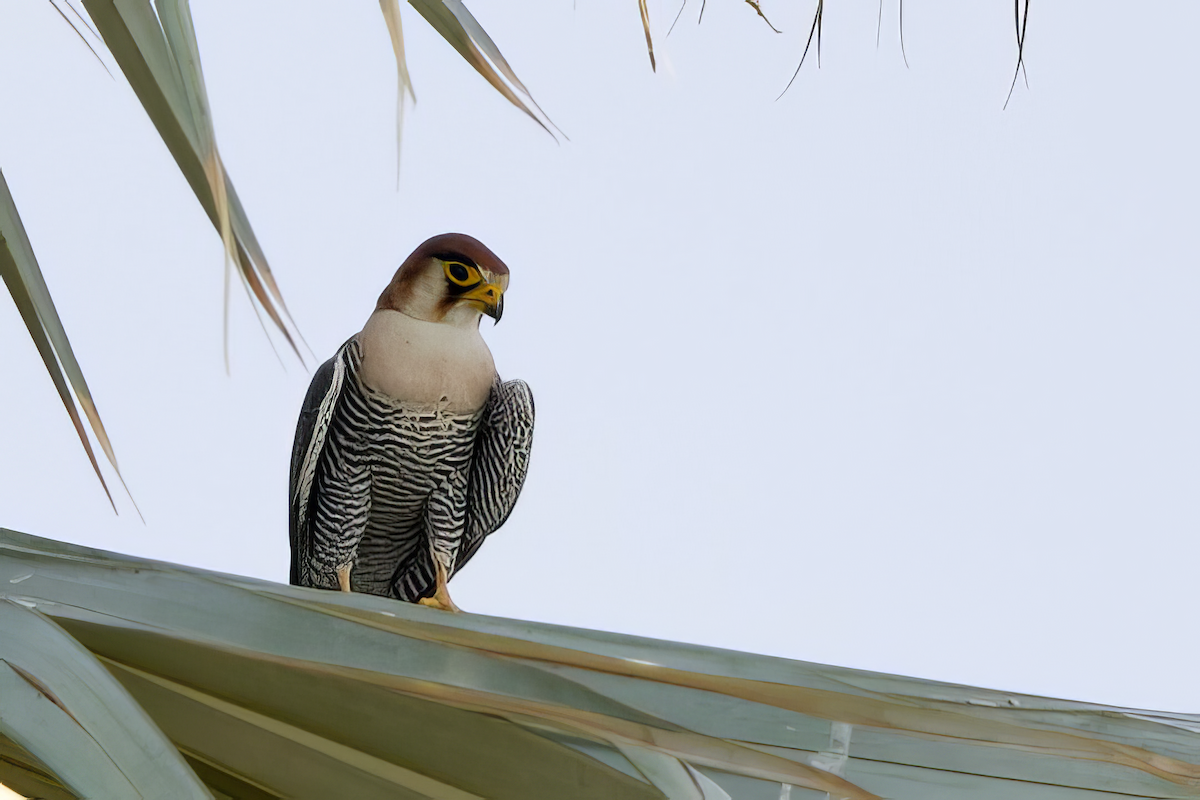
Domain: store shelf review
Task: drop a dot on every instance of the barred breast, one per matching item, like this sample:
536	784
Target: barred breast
417	460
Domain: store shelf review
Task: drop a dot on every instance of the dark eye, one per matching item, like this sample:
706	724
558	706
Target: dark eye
459	273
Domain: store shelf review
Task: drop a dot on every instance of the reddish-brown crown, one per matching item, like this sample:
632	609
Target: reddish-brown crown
447	247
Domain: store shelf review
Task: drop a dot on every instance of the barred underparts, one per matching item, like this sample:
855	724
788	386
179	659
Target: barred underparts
387	487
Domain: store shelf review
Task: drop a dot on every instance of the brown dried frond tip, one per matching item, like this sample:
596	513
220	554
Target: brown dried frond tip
754	4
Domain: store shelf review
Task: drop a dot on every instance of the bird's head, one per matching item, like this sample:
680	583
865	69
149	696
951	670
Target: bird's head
451	278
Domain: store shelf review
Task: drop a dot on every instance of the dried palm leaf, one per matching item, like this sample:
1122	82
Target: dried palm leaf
1022	21
815	30
879	30
391	15
646	28
754	4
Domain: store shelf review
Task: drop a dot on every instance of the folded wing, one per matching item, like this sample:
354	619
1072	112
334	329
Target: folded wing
312	431
499	464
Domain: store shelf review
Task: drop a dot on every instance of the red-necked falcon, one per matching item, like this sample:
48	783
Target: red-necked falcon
410	450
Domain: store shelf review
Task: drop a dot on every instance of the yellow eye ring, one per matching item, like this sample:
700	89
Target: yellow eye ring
460	274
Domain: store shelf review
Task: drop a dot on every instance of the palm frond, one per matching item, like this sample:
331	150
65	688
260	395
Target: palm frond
755	4
646	28
815	30
1022	22
156	49
271	691
21	273
91	735
79	33
391	15
458	26
758	8
678	14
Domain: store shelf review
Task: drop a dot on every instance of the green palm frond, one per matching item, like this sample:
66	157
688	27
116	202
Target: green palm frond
276	691
23	277
455	24
67	19
155	47
91	736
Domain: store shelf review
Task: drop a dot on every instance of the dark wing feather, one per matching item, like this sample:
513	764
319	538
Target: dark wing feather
311	430
499	464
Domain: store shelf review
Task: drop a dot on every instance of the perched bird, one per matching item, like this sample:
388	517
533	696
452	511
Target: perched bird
410	450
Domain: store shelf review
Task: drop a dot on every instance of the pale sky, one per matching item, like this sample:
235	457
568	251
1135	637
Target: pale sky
878	375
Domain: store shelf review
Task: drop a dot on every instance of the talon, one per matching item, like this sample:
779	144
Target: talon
434	602
441	595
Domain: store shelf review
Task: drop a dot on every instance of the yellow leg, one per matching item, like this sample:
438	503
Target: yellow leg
441	595
343	574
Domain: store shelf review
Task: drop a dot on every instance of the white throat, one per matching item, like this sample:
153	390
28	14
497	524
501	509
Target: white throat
414	360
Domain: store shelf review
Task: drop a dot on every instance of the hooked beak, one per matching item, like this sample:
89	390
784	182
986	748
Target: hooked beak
488	297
